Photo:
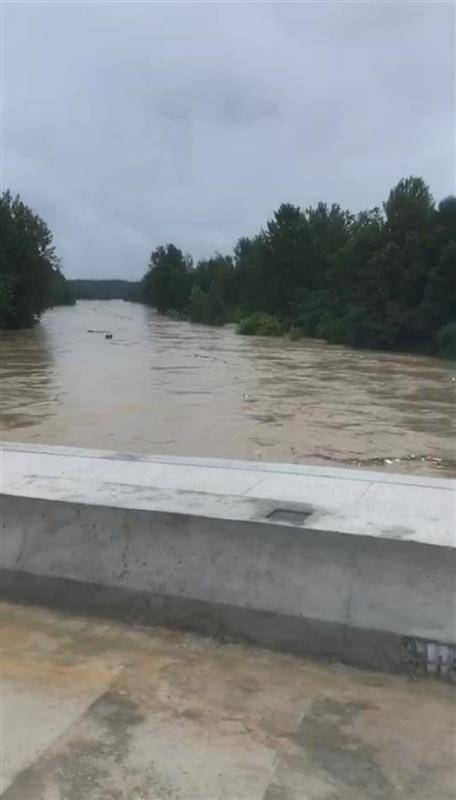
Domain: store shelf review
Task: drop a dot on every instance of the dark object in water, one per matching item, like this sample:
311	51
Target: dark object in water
108	335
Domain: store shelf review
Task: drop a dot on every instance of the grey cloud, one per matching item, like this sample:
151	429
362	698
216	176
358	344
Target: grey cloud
231	105
127	125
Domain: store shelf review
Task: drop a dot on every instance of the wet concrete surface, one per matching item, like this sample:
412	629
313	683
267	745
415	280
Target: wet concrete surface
98	711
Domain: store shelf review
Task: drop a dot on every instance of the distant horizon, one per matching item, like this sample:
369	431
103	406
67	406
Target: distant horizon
124	280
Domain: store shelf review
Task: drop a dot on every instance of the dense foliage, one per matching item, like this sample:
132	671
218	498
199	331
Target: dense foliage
100	289
167	283
30	276
382	278
61	291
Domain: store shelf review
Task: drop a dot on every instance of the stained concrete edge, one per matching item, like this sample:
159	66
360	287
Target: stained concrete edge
356	502
387	652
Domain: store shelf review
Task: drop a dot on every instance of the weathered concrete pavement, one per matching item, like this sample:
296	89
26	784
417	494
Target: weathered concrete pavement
97	711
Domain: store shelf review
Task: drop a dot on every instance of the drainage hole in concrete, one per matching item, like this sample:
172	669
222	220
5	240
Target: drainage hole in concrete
290	516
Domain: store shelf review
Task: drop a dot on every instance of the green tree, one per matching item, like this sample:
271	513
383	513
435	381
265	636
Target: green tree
167	283
28	264
287	259
410	207
446	215
329	230
6	298
250	273
219	270
208	307
440	293
216	308
198	302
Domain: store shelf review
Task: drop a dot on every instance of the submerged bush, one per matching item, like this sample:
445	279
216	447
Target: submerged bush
259	324
295	333
179	316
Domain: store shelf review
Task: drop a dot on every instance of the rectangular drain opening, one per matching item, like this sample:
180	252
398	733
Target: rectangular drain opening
289	515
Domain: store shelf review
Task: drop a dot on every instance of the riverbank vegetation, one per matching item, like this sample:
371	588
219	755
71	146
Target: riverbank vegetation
30	275
382	278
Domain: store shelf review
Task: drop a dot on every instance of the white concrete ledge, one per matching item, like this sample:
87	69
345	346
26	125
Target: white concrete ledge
341	563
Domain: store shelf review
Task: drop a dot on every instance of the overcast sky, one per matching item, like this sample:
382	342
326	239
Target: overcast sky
128	125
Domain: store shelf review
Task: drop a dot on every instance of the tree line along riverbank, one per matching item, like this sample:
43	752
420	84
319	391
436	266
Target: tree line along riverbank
381	278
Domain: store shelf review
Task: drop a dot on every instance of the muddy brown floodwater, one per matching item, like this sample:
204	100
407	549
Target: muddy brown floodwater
161	386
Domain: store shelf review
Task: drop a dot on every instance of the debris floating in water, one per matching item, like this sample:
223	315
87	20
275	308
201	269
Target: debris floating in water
446	464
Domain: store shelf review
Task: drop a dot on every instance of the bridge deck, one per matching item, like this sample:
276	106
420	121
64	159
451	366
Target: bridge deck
93	711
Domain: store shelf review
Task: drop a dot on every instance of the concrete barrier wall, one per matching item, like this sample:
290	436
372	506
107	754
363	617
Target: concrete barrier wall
275	563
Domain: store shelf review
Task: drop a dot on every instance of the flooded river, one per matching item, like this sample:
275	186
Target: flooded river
161	386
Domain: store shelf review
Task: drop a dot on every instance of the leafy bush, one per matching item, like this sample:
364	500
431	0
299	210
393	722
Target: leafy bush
237	315
259	324
446	341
